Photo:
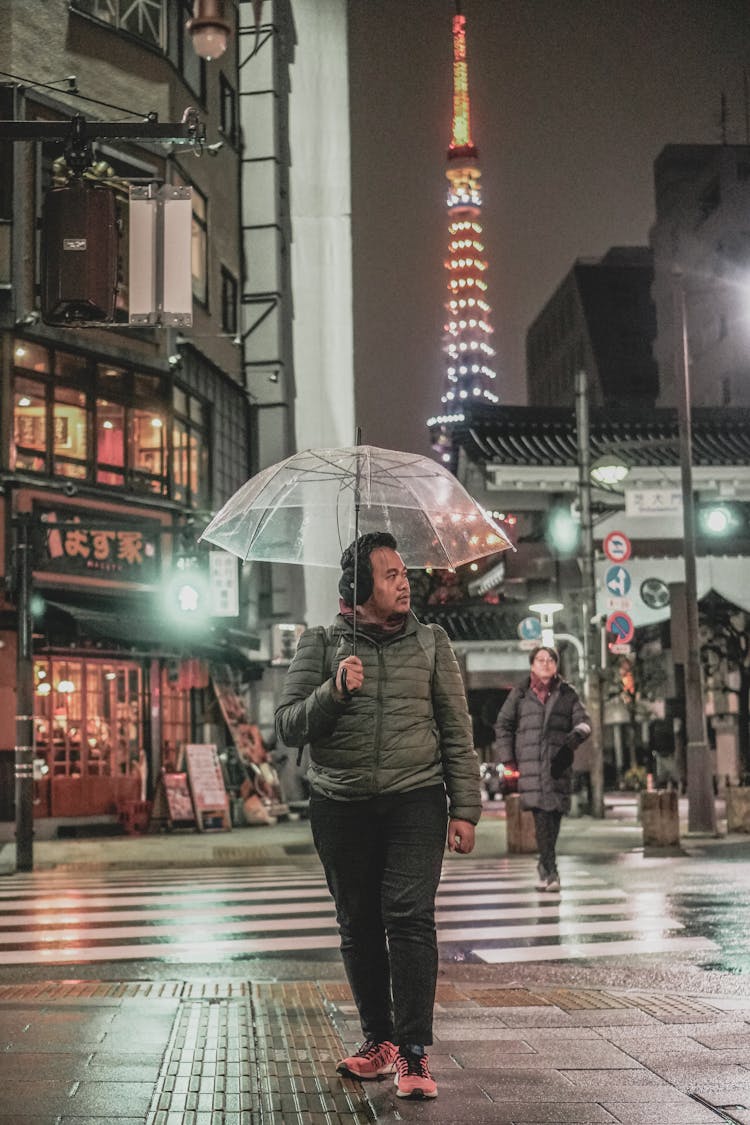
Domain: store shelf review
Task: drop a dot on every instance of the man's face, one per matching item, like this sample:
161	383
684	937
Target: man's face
544	666
390	583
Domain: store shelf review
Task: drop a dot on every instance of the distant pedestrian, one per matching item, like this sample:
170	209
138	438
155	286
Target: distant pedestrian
539	726
393	772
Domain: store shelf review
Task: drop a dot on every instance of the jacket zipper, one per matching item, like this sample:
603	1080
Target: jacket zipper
378	715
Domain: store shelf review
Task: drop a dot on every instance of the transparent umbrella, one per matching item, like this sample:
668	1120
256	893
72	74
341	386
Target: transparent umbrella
308	508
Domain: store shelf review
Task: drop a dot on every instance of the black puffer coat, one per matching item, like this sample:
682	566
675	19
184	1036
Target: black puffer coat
406	728
531	734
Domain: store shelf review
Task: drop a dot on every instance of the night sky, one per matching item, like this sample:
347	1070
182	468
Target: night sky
571	100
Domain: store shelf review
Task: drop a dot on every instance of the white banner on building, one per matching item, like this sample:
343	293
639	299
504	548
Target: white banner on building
653	501
225	586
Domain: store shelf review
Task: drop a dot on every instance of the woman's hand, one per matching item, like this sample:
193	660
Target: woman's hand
460	836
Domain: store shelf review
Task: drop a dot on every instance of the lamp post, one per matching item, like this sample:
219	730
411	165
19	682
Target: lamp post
24	752
700	791
590	624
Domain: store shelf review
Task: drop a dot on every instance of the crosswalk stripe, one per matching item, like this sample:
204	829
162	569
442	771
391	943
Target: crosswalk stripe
514	954
490	910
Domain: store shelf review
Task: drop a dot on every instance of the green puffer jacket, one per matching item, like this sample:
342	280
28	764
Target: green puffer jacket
398	732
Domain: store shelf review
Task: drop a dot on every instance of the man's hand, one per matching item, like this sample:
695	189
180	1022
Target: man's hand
355	677
460	836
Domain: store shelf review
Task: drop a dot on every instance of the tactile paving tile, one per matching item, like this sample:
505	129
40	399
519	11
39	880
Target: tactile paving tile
267	1057
297	1051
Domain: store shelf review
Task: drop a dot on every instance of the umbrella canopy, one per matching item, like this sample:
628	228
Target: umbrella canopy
308	508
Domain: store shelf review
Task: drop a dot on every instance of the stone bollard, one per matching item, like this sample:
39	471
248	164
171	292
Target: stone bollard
519	826
738	808
660	819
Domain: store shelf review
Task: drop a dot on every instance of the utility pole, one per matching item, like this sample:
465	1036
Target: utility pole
700	789
24	757
590	626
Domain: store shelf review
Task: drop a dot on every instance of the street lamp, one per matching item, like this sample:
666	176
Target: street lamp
209	29
546	611
609	470
701	805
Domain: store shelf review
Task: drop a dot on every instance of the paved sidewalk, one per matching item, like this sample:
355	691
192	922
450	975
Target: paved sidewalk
240	1053
513	1045
290	841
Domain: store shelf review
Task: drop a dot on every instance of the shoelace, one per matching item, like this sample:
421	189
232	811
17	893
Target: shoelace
412	1064
369	1049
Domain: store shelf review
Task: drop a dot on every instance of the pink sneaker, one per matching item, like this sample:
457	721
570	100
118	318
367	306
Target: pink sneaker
370	1061
413	1078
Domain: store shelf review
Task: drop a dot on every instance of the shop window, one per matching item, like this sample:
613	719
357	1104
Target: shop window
147	450
190	444
29	427
110	442
87	717
111	380
73	368
175	715
82	420
69	433
31	357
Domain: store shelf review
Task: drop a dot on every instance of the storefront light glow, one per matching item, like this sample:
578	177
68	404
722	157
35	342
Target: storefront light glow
44	688
65	687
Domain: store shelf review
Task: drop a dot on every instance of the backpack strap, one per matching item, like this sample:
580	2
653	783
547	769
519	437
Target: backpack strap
327	644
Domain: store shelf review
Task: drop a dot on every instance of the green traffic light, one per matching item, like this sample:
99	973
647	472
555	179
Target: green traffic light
719	519
563	532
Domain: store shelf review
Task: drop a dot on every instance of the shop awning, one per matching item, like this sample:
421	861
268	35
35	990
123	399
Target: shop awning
122	629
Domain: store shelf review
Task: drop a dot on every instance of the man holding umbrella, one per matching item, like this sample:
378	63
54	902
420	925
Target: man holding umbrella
383	708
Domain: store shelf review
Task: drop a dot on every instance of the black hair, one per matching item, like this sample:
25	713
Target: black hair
364	546
545	648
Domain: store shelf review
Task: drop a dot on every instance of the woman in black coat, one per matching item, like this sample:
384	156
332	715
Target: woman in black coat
539	726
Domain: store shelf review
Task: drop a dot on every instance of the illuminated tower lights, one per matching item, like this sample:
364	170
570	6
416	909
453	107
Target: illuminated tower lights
469	373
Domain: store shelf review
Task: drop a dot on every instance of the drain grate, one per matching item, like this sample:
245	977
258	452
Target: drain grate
506	998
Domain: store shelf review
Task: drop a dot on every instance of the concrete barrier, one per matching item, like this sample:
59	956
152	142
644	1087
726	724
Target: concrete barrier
519	826
660	819
738	808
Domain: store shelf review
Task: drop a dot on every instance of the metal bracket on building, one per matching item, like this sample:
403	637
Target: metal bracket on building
78	132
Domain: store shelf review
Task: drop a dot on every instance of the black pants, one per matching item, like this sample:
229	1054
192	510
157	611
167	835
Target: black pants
382	859
547	826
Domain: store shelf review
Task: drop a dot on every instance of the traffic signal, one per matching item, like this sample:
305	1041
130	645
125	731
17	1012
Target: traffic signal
187	599
719	519
562	531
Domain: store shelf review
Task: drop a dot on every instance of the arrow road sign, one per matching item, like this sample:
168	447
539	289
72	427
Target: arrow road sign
617	581
621	626
530	629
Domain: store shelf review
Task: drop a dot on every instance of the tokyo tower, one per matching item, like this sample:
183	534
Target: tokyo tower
469	375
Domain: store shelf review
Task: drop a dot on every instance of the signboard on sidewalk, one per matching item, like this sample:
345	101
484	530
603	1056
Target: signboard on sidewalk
210	799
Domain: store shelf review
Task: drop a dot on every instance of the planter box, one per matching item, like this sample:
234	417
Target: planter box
738	808
521	833
660	819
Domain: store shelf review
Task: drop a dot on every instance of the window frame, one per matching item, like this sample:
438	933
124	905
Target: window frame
90	382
